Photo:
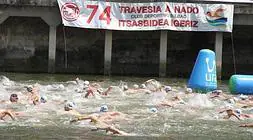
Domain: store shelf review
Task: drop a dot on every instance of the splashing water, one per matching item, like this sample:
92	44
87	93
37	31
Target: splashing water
49	120
200	100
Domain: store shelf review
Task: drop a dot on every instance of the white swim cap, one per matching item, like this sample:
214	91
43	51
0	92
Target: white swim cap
100	90
86	82
29	88
104	108
167	88
61	86
43	99
236	99
243	97
231	101
143	86
229	106
78	90
251	109
125	87
69	105
136	86
154	110
238	111
188	90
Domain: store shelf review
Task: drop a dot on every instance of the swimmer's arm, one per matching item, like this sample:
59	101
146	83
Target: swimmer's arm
107	91
233	114
236	116
222	111
9	114
88	93
166	104
115	131
246	125
247	104
96	85
80	118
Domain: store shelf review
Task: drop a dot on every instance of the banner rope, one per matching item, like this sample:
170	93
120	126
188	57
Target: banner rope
65	47
233	51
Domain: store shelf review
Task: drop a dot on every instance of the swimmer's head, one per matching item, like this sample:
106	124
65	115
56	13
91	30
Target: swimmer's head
229	106
14	98
153	110
143	86
136	86
238	111
85	87
188	90
86	82
243	97
100	90
231	101
217	92
167	88
104	108
43	99
69	106
29	88
125	87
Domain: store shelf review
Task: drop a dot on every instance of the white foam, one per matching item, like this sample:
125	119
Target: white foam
200	100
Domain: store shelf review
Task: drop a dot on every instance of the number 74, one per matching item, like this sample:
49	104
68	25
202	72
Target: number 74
105	15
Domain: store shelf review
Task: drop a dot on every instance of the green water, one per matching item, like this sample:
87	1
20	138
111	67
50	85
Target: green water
168	123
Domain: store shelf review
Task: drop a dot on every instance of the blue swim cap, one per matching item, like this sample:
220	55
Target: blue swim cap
43	99
154	110
104	108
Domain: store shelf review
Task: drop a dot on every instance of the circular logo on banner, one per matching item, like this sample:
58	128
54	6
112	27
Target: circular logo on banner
70	11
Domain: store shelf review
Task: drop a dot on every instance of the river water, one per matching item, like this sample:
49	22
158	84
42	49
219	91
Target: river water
199	119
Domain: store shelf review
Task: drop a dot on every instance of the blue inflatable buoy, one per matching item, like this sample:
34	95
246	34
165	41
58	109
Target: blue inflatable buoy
241	84
203	77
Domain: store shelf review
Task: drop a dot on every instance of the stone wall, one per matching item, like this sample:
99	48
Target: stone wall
23	44
24	48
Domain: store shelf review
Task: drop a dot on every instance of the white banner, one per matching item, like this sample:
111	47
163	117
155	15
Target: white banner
229	1
147	16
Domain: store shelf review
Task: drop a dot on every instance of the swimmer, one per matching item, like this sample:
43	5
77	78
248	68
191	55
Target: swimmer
93	89
14	98
137	90
236	113
246	125
188	90
100	125
230	113
219	94
4	113
107	116
43	99
101	92
101	120
153	85
246	103
33	94
35	99
167	88
69	107
175	100
79	81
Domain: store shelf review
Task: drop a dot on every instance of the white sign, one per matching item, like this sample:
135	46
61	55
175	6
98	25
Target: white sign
229	1
147	16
